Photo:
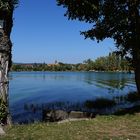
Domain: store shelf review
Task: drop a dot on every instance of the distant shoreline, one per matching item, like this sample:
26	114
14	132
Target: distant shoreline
132	72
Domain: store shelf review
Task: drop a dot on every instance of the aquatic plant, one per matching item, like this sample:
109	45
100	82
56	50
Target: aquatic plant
99	103
133	97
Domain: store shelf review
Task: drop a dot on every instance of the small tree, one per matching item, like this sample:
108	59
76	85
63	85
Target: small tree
117	19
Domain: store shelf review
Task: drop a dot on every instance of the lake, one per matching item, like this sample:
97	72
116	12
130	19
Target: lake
29	92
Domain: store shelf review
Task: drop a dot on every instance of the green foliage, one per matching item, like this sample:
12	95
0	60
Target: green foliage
107	63
42	67
133	97
3	112
6	5
99	103
118	19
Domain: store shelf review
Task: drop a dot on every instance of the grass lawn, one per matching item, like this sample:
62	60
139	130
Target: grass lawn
126	127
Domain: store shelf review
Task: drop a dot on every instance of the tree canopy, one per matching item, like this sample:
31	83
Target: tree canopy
117	19
6	5
6	13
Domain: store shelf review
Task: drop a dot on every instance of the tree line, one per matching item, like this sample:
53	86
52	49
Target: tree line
112	62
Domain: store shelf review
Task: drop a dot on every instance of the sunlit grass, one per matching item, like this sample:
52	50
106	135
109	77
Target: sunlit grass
101	127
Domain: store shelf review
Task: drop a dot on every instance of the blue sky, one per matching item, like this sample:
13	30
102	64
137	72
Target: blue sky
41	33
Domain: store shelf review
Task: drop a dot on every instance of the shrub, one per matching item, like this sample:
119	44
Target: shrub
133	97
99	103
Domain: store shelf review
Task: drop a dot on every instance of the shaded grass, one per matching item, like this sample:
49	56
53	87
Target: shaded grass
102	127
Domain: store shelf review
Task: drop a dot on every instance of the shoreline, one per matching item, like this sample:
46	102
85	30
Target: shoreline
132	72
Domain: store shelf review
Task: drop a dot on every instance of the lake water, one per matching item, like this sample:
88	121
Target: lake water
29	91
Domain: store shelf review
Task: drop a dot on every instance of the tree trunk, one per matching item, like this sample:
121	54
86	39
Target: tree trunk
6	15
137	78
136	54
136	64
5	60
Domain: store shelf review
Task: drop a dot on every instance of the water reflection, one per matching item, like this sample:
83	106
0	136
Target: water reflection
113	80
98	106
110	81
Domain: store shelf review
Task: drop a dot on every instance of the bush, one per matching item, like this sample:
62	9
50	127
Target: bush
99	103
133	97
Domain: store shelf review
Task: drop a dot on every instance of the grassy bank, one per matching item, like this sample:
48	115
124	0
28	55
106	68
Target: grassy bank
101	127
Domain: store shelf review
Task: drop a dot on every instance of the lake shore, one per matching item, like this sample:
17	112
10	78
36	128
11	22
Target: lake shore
101	127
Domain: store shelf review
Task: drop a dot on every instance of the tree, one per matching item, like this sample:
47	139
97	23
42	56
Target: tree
6	22
89	64
101	64
117	19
